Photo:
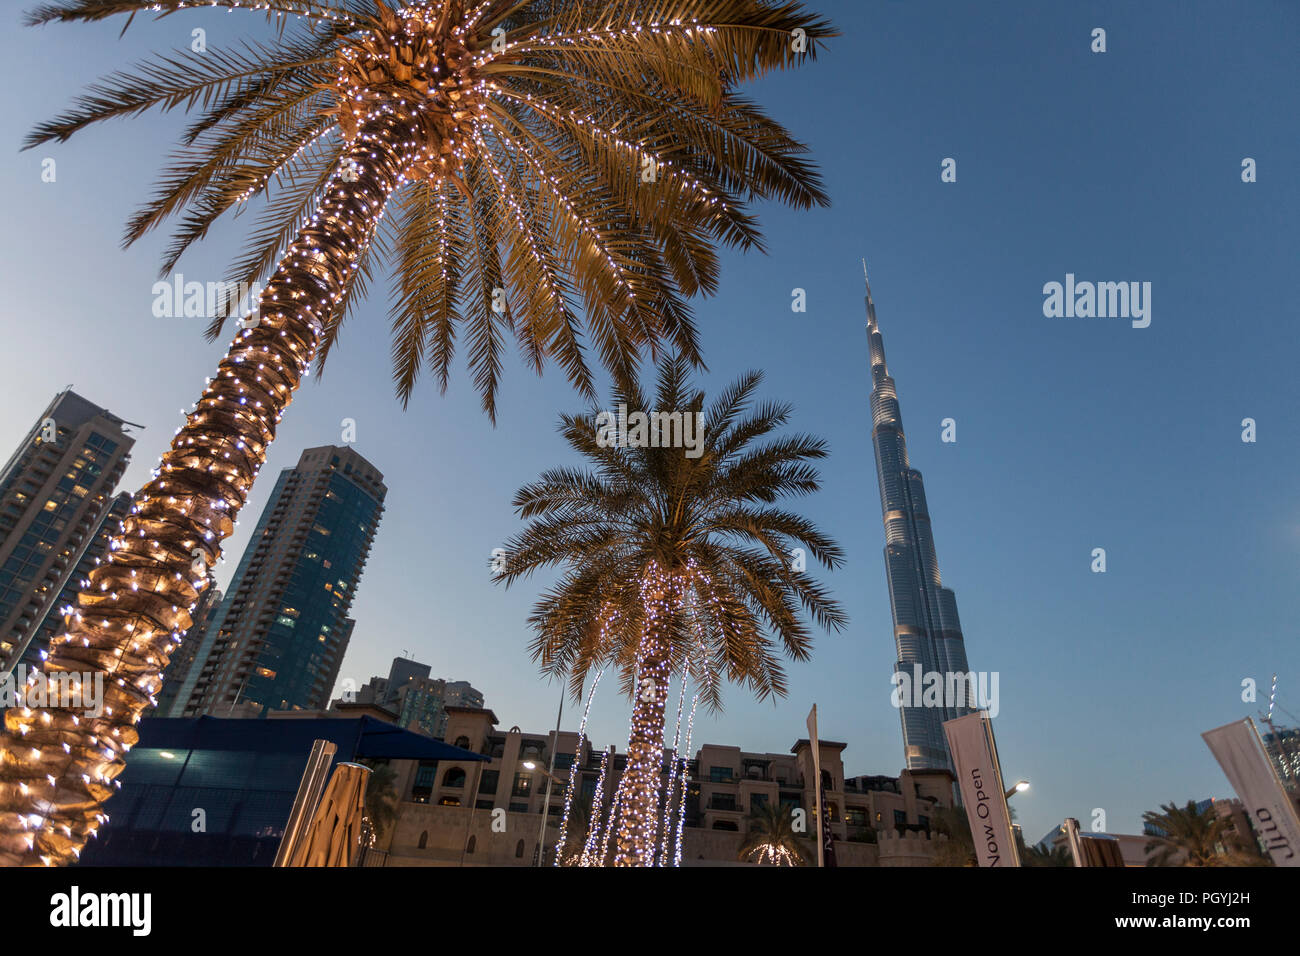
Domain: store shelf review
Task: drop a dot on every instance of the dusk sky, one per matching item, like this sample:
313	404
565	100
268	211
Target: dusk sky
1072	433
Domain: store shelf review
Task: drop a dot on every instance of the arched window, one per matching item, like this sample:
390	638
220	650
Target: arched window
455	777
462	742
519	850
424	839
469	847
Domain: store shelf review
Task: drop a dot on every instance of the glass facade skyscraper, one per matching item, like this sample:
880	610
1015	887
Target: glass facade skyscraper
927	631
279	636
55	620
419	701
55	493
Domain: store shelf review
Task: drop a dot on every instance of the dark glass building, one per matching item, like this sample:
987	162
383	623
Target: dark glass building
109	524
213	792
54	493
927	631
280	634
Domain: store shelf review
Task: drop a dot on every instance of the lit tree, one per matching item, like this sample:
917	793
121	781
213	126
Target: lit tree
771	838
542	159
668	556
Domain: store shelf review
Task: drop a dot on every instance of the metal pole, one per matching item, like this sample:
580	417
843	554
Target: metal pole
469	823
304	803
546	803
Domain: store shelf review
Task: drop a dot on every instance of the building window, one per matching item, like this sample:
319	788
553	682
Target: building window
519	850
462	742
757	801
489	782
900	818
523	785
720	775
454	777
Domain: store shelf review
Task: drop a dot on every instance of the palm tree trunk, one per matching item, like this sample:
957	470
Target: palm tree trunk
58	764
638	819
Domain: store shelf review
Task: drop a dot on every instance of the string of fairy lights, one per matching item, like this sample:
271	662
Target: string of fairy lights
573	767
666	833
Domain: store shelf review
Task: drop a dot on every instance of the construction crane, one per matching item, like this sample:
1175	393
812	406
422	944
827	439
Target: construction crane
1285	741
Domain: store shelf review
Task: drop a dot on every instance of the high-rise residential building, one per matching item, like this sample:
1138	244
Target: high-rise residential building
109	524
183	657
282	629
54	493
927	631
1283	747
418	701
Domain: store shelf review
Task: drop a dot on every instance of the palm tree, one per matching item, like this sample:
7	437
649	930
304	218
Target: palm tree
1186	836
771	837
533	157
381	800
1038	855
674	556
959	847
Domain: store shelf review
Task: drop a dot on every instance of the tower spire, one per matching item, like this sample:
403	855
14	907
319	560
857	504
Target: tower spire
927	631
871	306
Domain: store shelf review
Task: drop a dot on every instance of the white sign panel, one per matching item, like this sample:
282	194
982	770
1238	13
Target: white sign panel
975	760
1245	763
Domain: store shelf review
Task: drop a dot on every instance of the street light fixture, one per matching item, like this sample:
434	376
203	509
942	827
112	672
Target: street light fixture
537	768
1020	785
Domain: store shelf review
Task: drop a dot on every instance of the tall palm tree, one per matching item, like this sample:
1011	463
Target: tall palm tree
536	158
771	837
674	555
1190	837
1047	856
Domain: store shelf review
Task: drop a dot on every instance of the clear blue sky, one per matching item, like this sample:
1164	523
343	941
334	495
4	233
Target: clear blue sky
1072	433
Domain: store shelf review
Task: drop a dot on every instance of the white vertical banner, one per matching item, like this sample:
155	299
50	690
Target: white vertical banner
975	759
1246	764
817	781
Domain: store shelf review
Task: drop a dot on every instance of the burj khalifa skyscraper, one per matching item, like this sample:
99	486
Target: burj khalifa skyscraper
927	631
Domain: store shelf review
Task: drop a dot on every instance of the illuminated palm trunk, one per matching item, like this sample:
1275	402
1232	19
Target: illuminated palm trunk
638	816
58	764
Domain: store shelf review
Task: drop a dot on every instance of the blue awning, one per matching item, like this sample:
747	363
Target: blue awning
356	737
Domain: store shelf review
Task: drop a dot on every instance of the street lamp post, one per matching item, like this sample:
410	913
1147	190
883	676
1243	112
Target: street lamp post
1020	785
550	777
546	803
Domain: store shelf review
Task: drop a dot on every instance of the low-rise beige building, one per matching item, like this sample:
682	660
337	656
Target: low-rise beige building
489	813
